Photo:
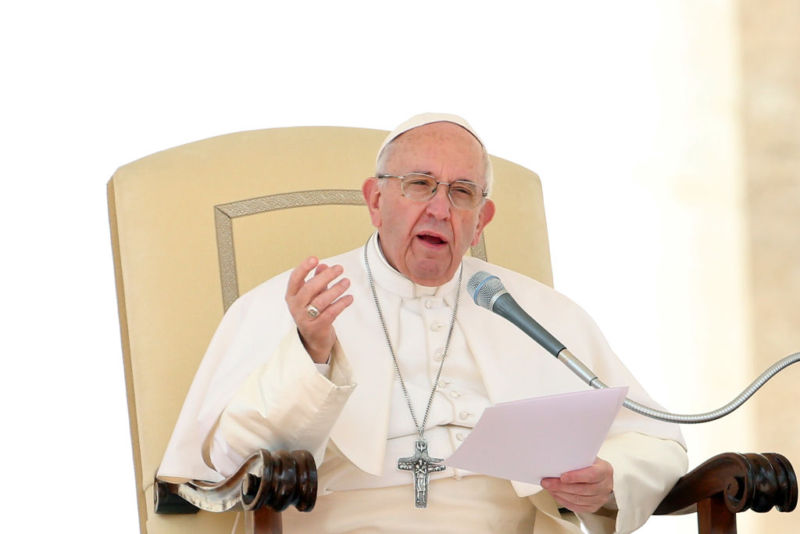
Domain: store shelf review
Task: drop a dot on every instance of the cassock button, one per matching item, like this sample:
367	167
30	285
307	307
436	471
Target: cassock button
460	436
429	304
455	394
464	415
437	326
437	356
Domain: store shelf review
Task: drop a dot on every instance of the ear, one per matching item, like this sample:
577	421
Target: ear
485	216
372	196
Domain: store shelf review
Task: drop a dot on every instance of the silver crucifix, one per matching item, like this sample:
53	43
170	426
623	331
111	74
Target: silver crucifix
422	465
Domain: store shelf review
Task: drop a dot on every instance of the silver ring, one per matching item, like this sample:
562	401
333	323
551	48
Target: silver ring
312	311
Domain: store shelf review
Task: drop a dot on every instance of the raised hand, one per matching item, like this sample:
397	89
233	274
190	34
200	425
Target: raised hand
314	304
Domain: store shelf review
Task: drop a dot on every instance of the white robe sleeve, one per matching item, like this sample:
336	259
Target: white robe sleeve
645	469
285	403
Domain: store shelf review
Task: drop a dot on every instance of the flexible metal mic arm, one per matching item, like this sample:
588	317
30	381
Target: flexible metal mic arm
488	292
588	376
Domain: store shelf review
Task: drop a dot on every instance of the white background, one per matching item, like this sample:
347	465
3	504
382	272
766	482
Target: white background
603	100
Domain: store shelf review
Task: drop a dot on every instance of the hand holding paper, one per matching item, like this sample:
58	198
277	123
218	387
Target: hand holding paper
531	439
583	490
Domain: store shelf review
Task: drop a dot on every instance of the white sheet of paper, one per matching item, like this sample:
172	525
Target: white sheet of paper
531	439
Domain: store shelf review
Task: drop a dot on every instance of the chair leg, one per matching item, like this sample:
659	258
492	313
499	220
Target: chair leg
713	517
266	521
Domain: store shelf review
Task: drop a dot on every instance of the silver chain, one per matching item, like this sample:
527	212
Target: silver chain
420	428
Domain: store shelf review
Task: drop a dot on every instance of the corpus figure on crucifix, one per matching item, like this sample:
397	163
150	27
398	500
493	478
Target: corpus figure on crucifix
422	465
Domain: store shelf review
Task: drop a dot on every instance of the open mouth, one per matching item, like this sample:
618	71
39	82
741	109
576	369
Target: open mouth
431	239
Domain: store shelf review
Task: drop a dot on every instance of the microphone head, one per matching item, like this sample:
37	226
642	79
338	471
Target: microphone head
485	288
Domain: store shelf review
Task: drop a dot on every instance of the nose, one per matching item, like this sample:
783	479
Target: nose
439	205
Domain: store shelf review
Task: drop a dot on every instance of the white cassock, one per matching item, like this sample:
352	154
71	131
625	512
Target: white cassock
257	388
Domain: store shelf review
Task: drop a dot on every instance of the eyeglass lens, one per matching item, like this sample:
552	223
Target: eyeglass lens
462	194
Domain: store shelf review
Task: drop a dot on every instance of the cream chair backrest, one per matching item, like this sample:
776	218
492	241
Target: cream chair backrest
197	225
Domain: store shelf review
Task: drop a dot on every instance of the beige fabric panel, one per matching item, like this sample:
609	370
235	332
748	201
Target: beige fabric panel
164	234
342	224
517	237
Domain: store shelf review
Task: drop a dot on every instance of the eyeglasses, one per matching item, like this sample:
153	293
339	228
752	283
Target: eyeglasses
463	194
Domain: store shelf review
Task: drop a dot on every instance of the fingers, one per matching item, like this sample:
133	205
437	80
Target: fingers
322	277
580	503
329	303
578	497
299	274
316	290
306	291
583	490
300	293
599	471
326	296
332	311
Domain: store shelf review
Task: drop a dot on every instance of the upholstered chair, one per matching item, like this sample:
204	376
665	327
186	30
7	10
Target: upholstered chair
195	226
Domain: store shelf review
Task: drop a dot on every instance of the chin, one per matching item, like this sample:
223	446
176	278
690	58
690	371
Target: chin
430	269
431	278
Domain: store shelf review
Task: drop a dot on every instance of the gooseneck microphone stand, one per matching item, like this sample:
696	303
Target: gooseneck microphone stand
488	292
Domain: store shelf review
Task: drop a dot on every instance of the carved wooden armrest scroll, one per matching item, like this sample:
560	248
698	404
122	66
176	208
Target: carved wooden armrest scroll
265	480
730	483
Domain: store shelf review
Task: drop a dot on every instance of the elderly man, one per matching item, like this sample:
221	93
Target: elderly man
371	361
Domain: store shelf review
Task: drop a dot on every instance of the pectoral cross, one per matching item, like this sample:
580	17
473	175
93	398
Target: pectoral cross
422	465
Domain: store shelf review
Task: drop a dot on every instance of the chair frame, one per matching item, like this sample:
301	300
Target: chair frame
717	490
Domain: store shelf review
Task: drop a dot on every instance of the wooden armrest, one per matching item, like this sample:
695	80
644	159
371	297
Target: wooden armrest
265	480
721	487
730	483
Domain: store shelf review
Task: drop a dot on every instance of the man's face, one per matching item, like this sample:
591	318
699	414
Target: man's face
426	240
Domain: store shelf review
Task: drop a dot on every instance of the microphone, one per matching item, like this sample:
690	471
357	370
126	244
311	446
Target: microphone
488	292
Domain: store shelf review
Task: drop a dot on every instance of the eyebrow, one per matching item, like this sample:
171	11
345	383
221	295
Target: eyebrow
428	173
